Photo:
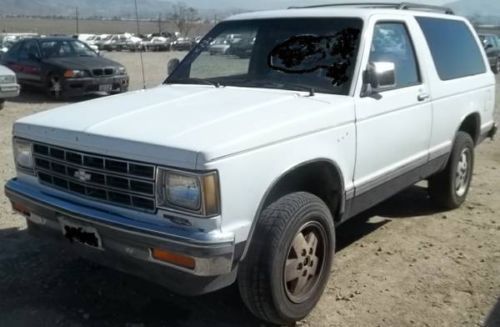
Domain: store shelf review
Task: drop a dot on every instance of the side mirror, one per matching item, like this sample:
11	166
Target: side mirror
172	65
378	77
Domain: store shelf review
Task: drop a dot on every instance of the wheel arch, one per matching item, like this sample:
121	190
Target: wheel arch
471	124
290	181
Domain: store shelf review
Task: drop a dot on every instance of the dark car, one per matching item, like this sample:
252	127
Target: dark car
65	67
243	48
492	47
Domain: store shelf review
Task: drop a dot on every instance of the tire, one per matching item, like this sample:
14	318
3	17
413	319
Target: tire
271	291
54	86
2	103
449	189
496	67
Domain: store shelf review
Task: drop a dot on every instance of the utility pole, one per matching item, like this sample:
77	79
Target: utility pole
159	24
77	22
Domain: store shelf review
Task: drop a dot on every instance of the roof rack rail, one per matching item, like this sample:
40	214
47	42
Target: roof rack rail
393	5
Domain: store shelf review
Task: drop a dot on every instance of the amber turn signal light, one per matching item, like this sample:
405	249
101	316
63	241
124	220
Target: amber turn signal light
173	258
69	73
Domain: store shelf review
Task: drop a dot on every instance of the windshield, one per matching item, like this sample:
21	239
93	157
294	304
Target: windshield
296	54
65	48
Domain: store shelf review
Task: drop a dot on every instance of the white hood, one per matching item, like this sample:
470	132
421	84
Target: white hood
183	125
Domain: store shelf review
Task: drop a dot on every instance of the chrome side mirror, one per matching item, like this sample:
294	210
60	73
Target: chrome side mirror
172	65
378	77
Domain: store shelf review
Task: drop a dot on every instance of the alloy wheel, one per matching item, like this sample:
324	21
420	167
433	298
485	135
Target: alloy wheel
305	261
463	172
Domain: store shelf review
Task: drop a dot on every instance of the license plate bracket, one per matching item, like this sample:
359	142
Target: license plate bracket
85	235
106	87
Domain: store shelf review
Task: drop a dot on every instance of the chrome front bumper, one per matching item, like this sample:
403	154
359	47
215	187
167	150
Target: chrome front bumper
125	238
9	90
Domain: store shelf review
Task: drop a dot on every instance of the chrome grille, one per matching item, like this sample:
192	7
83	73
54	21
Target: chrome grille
116	181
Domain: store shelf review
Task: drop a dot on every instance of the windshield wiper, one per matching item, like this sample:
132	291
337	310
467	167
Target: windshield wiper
193	80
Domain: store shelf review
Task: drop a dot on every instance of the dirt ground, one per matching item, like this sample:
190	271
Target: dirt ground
401	264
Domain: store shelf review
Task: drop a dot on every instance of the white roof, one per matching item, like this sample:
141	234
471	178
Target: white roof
346	11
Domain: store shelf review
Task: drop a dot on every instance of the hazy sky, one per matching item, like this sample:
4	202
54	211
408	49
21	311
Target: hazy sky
270	4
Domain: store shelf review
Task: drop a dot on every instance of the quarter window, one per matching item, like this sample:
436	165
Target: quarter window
454	49
392	43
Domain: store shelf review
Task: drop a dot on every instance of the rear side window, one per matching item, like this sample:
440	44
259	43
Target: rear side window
453	47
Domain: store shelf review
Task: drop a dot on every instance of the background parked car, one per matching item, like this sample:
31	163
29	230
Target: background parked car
8	85
243	48
492	47
182	44
65	67
219	47
156	43
121	42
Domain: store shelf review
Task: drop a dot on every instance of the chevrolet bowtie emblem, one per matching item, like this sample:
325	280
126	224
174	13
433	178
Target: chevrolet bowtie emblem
82	175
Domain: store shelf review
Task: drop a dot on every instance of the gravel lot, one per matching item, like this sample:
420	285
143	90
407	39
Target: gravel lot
401	264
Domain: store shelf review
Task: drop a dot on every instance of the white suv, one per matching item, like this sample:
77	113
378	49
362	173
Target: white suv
240	167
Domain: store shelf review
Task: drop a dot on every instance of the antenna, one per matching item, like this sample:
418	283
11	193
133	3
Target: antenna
140	50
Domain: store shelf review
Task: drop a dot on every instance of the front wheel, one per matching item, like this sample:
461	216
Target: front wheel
288	264
54	87
496	67
449	188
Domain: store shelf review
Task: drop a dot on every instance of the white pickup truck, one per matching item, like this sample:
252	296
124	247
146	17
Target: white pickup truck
239	168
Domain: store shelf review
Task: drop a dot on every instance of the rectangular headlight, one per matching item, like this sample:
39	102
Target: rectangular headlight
183	191
189	192
23	153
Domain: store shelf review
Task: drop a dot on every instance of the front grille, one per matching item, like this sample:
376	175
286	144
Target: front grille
116	181
103	71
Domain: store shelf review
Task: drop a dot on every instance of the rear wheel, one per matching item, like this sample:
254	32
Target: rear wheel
288	264
449	188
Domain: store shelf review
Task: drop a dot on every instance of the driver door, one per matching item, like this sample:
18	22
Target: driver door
393	126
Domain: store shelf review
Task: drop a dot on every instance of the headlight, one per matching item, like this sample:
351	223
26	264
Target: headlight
192	193
7	79
75	73
23	154
122	71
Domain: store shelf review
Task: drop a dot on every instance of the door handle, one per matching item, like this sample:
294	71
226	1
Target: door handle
423	96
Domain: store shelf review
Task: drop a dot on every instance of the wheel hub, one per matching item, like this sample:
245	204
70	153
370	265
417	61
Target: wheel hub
462	175
304	263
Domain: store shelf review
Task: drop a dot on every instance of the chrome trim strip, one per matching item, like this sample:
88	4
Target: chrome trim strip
161	198
212	251
379	180
189	236
440	150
